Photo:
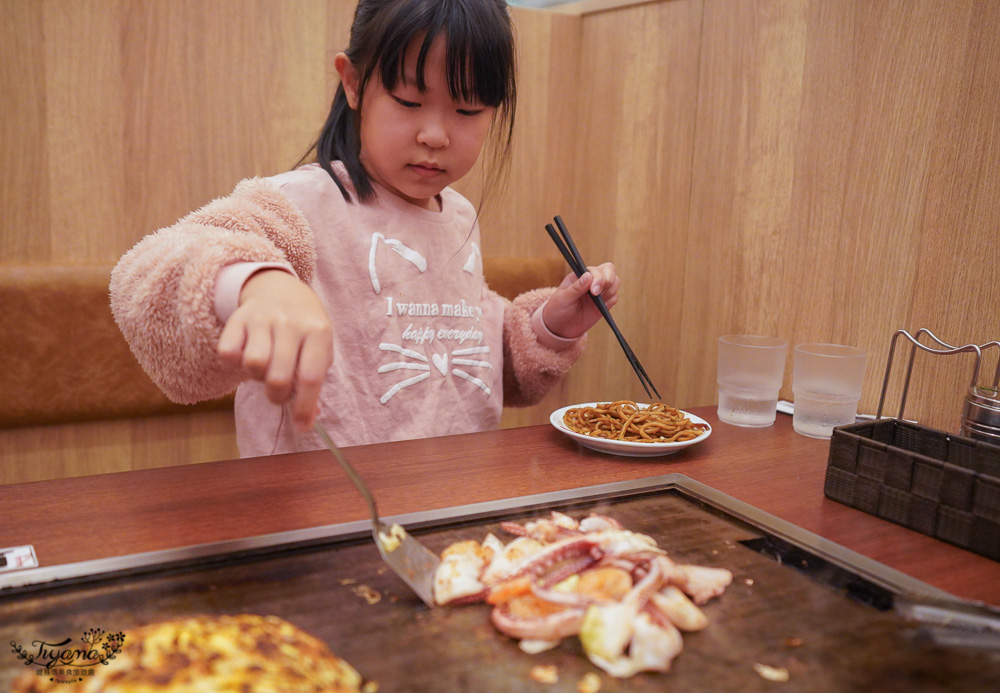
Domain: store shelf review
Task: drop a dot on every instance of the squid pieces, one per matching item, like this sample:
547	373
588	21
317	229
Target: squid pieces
614	589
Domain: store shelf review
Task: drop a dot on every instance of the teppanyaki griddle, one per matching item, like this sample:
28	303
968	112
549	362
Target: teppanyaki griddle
797	601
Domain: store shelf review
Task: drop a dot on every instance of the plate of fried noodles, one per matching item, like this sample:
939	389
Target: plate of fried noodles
631	428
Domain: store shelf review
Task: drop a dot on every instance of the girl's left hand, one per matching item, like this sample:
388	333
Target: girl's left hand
570	311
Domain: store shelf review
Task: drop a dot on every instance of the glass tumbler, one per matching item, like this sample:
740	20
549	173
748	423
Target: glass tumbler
750	371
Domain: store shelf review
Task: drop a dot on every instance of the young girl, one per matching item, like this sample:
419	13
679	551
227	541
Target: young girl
351	289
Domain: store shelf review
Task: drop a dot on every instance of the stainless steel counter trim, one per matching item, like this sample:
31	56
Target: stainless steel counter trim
187	555
878	573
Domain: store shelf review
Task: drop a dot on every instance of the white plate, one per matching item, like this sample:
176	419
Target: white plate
624	447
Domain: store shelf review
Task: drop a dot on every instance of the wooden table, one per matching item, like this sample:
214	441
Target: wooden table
773	469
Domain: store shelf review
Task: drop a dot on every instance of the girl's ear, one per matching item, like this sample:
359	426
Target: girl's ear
348	78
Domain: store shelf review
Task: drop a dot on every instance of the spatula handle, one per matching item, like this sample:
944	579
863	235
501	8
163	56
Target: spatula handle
352	474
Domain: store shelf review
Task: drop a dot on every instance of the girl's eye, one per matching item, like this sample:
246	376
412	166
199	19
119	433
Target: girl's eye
406	104
470	111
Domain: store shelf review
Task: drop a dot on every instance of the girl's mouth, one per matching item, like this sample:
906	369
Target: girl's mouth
426	170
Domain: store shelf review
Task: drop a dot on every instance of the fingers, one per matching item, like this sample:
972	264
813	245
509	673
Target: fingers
604	279
290	368
601	280
314	361
246	346
293	367
258	351
279	373
610	300
570	312
610	292
569	280
281	336
579	286
231	344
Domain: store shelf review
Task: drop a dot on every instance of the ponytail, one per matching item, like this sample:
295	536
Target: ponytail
339	140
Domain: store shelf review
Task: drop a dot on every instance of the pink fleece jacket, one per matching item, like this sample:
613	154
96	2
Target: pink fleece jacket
422	347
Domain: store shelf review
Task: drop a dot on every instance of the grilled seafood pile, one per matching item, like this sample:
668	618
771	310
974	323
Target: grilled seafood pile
559	577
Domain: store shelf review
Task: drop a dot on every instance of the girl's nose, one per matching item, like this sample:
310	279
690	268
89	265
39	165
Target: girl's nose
433	132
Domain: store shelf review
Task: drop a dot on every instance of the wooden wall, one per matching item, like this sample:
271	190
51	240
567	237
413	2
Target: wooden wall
117	118
819	170
813	170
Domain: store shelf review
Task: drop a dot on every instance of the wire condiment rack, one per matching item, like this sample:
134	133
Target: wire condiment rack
977	398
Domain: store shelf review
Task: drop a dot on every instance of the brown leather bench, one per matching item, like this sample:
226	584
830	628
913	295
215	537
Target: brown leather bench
63	359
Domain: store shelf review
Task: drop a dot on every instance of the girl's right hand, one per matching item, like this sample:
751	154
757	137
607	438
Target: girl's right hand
281	335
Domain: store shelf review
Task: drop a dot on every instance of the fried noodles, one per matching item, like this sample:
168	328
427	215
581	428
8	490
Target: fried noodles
625	420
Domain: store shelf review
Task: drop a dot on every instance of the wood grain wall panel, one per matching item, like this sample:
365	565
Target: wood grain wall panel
957	267
820	145
218	92
742	184
154	441
84	129
540	178
24	183
159	133
51	452
267	121
634	138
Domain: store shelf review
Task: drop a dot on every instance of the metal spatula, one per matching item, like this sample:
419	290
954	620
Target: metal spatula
410	559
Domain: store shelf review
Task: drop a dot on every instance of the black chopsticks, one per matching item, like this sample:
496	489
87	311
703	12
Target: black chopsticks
569	251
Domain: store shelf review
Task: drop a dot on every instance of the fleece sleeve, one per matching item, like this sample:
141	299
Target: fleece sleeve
163	289
530	368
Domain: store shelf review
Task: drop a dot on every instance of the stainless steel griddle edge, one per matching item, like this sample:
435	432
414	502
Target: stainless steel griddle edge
191	556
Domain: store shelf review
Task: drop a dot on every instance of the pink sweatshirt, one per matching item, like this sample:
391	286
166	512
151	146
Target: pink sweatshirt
422	347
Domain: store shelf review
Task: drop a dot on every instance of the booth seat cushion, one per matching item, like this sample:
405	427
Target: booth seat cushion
63	358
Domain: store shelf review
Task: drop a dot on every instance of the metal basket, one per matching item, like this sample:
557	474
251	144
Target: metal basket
944	485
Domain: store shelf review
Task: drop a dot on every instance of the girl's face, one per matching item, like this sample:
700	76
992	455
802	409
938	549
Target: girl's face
416	143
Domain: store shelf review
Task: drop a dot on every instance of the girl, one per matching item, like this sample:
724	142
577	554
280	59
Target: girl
351	288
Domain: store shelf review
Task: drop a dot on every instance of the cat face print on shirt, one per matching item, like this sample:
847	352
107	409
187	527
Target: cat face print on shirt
440	336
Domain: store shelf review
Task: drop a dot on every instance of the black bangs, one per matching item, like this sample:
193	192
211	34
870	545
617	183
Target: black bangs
479	57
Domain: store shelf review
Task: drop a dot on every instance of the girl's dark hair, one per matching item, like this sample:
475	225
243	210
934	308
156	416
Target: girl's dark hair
480	64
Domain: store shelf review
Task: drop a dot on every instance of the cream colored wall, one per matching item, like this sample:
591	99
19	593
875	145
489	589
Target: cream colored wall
814	170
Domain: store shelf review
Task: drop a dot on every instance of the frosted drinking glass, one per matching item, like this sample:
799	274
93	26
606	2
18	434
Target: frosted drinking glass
826	383
750	371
